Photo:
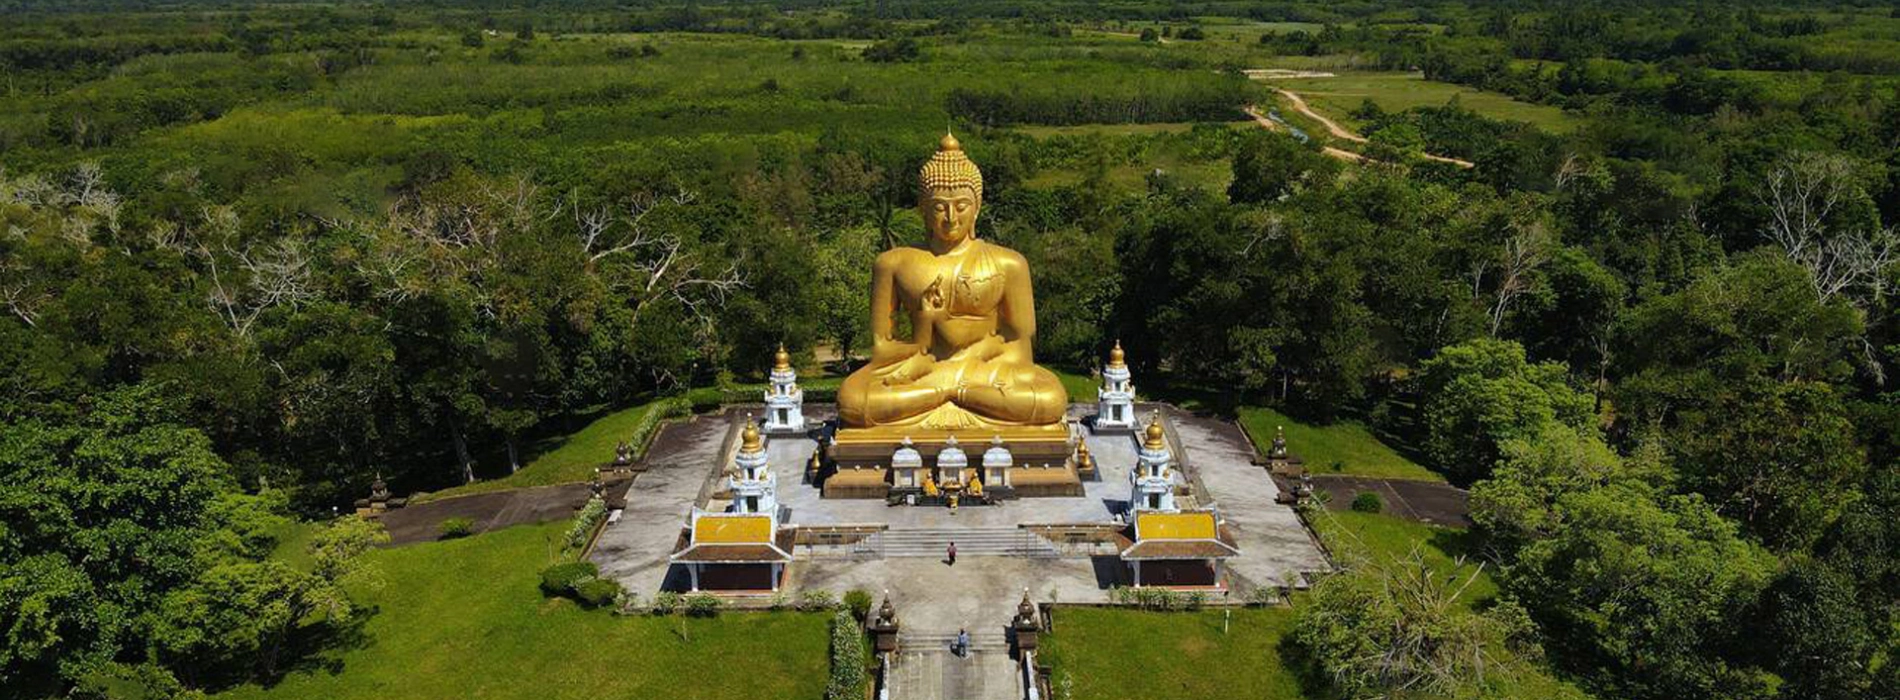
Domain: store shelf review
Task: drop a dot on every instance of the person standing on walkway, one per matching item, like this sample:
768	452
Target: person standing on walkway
963	642
951	556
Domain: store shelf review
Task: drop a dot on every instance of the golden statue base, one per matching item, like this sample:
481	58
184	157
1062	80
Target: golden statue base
1043	458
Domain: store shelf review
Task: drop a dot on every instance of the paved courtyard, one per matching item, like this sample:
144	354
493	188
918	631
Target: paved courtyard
979	592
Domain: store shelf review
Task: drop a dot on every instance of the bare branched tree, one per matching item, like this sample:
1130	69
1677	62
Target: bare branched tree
246	279
1527	249
1803	196
605	233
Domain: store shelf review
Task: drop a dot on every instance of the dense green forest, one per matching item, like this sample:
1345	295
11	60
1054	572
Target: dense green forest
252	256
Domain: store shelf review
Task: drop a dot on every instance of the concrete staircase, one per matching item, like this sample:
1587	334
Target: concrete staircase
971	542
924	669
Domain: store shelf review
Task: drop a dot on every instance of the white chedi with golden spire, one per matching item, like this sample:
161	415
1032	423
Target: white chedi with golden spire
754	488
1151	484
784	401
1115	402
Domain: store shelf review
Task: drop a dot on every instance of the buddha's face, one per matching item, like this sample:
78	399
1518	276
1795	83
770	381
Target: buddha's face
950	214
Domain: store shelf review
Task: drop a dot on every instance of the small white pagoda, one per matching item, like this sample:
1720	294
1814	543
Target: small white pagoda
996	463
784	401
1151	483
744	548
951	461
754	487
1115	402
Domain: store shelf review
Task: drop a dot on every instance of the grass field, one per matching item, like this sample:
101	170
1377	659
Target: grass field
1193	656
1336	96
464	619
1380	537
562	459
1347	443
1081	388
1118	653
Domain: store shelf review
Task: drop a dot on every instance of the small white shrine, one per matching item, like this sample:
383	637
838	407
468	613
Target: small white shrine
743	548
754	487
907	467
784	401
996	463
951	461
1115	402
1151	483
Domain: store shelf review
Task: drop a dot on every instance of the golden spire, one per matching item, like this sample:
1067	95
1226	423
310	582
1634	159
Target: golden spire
1117	358
781	360
1156	440
949	168
1082	457
751	436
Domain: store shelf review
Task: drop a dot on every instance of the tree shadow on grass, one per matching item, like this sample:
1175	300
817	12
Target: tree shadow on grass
314	648
1299	664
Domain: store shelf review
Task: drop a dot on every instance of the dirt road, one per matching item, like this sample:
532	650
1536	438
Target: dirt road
1340	132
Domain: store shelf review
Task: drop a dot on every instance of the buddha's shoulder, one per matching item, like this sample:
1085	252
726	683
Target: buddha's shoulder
901	256
1007	256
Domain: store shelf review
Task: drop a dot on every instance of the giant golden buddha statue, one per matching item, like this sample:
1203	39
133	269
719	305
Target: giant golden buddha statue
968	363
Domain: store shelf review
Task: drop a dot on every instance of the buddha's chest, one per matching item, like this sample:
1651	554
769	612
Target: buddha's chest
968	285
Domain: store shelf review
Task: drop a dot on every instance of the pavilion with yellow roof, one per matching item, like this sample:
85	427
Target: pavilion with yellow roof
743	548
1164	545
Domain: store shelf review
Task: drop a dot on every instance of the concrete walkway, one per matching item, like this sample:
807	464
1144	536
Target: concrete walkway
635	549
1275	547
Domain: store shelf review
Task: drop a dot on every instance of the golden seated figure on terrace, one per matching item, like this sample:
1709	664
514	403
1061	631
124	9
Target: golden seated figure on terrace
968	364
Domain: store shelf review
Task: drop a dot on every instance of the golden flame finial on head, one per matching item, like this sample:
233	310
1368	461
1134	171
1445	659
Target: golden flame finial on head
1156	440
781	360
1117	358
949	169
751	436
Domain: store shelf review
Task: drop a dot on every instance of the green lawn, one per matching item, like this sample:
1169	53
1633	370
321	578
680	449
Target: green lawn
1348	443
1122	653
1188	656
464	619
1081	388
1353	534
565	458
1336	96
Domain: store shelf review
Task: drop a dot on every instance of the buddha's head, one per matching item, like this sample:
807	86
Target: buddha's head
951	193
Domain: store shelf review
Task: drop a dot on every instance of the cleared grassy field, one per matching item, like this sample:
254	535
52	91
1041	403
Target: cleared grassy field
1117	653
1356	451
1337	96
464	619
1209	655
1379	537
565	458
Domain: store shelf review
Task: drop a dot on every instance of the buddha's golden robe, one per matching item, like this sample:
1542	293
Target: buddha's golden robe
969	363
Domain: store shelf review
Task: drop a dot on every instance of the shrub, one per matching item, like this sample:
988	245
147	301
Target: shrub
1158	599
597	592
703	605
1195	600
563	579
893	51
847	659
858	601
585	522
455	527
816	600
1367	502
665	602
